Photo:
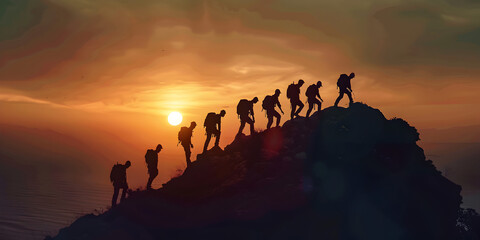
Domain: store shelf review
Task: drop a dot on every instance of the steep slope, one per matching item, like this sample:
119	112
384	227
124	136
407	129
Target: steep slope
341	174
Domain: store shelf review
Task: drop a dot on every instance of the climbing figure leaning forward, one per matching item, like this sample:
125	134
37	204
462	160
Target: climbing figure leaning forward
312	93
269	103
118	176
293	93
345	87
244	111
151	158
185	138
213	126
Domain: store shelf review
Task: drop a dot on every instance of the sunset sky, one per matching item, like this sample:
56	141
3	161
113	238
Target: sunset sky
105	74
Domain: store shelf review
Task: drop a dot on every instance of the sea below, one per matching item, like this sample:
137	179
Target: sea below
33	206
36	203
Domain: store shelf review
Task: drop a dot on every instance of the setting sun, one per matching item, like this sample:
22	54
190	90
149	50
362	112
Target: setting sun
175	118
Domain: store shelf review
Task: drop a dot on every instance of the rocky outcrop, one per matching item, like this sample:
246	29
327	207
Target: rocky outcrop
340	174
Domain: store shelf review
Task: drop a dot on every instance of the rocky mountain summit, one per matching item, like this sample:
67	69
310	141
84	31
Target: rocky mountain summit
344	173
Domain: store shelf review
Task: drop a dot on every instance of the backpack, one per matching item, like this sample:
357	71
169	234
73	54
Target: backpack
150	156
268	103
118	173
342	82
243	107
311	91
210	120
291	90
184	135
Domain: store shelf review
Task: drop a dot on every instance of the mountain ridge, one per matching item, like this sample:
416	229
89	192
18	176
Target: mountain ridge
343	173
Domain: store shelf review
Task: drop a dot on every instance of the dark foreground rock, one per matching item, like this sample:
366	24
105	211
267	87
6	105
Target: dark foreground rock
341	174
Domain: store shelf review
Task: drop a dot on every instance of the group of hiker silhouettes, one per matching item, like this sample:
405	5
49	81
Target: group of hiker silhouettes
245	112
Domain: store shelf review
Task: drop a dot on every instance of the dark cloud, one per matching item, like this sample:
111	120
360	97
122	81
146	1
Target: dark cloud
80	51
421	35
18	16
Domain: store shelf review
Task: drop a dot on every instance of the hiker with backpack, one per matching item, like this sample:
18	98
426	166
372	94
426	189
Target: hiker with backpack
312	93
185	138
293	93
118	176
343	83
151	158
269	103
212	126
244	111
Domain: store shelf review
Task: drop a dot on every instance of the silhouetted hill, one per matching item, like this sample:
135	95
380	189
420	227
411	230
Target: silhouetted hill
341	174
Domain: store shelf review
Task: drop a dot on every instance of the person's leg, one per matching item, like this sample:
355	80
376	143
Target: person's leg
153	173
115	196
252	128
189	153
150	180
293	106
340	96
349	94
318	103
217	138
310	108
278	116
300	107
242	125
207	141
270	119
186	147
124	193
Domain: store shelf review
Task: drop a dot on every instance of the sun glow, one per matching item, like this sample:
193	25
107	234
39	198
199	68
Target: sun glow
175	118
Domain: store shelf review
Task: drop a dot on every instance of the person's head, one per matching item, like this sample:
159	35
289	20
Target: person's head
255	100
159	148
301	82
277	92
128	164
193	125
319	84
222	113
352	75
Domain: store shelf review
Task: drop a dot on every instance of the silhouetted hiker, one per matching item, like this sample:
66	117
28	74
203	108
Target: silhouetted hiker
151	158
312	93
213	125
269	103
345	87
185	138
118	176
244	111
293	93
